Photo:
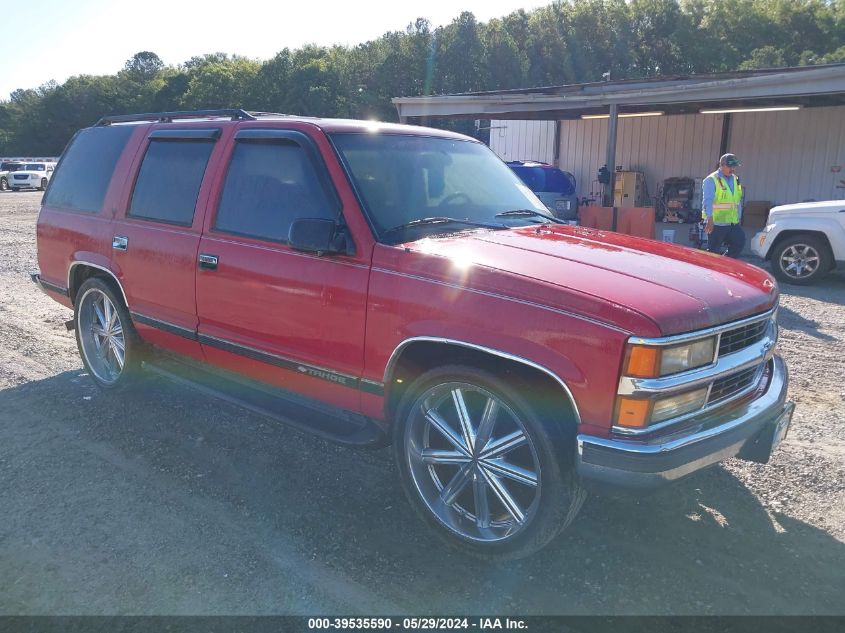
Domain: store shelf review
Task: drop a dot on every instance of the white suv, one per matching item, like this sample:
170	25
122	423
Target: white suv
6	168
803	241
31	176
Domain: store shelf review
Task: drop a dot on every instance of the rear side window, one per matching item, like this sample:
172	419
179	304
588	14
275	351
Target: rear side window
86	168
268	186
169	181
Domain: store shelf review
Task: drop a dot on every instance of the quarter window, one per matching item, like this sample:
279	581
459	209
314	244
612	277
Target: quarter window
169	181
270	184
87	167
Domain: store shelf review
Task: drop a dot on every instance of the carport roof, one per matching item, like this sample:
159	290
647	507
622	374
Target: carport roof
805	86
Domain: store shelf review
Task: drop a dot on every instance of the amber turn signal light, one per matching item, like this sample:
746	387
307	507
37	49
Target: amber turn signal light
633	413
643	362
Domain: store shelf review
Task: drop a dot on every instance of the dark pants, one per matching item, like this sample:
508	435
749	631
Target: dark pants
730	234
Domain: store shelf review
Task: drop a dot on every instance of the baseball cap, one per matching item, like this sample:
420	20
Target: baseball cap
730	160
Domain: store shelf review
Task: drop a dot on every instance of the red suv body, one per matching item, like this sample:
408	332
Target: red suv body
368	274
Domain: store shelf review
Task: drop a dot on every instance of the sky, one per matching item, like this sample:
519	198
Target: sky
98	36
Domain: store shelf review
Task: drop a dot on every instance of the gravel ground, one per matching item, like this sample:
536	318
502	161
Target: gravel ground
163	502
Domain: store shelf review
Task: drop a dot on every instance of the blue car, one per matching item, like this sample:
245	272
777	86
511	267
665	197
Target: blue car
556	188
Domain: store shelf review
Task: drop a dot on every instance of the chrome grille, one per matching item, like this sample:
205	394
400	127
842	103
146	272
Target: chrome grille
741	337
729	386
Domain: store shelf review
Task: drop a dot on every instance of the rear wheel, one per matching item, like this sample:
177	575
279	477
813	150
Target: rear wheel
481	465
801	260
4	184
105	335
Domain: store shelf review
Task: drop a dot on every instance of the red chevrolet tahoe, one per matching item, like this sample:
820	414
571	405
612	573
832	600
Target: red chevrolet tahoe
377	283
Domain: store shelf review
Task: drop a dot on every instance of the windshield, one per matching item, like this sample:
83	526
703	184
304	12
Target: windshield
10	166
403	178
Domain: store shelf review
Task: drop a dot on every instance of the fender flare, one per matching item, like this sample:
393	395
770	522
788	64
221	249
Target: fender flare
397	352
81	262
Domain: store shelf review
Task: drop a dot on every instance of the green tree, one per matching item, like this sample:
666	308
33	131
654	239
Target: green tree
508	65
220	84
460	56
764	57
143	66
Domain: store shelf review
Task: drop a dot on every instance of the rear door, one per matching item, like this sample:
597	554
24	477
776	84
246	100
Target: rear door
291	319
156	237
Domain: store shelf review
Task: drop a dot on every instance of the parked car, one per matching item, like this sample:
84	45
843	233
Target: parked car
376	283
6	168
556	188
31	176
803	242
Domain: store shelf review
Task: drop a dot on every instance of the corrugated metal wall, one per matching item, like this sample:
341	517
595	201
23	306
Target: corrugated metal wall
787	156
523	140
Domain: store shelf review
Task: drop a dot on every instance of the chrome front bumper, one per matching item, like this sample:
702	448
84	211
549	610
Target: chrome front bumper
741	430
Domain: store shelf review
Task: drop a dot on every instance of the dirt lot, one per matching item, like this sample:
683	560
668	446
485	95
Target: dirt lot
164	502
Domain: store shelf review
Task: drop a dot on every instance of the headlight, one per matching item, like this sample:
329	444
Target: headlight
687	356
637	413
643	361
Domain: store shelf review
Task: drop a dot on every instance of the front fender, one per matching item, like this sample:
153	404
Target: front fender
831	228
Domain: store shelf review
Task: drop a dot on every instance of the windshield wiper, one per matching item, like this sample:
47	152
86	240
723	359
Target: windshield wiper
528	212
440	220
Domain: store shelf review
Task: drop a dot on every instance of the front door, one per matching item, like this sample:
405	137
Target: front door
291	319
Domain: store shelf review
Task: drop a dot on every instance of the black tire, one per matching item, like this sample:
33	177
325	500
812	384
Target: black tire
43	186
811	251
101	365
4	184
16	188
558	495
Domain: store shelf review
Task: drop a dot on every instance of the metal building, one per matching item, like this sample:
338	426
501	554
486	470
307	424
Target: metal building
787	126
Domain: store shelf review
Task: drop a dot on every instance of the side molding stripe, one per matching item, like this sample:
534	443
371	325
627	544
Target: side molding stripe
165	326
53	287
368	386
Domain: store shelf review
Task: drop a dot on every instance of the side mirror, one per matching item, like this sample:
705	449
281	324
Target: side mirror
316	235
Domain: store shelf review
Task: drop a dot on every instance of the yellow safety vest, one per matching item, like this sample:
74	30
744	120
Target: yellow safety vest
726	202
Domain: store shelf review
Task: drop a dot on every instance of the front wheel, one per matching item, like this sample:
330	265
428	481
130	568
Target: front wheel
482	466
105	335
43	184
801	260
4	184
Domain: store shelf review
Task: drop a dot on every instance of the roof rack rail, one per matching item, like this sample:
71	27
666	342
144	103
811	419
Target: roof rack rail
236	114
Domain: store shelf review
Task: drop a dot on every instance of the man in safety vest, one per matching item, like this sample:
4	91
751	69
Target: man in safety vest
722	207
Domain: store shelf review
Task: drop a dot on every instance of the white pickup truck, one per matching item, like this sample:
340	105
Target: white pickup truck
803	241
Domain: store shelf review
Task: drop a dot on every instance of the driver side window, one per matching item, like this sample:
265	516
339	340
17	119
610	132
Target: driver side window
267	187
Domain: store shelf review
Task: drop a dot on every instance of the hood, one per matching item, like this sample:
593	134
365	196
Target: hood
597	273
809	208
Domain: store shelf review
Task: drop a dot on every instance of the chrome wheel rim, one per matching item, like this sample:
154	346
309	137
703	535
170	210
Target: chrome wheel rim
101	336
799	261
472	462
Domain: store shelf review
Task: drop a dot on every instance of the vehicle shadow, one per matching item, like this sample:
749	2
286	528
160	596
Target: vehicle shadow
789	319
145	499
829	289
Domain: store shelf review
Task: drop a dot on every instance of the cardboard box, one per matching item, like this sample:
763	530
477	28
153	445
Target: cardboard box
755	213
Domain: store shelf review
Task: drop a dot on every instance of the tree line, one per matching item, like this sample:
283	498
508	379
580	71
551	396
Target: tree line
568	41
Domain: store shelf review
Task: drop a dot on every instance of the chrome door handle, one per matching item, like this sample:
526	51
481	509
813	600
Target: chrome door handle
120	242
208	262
